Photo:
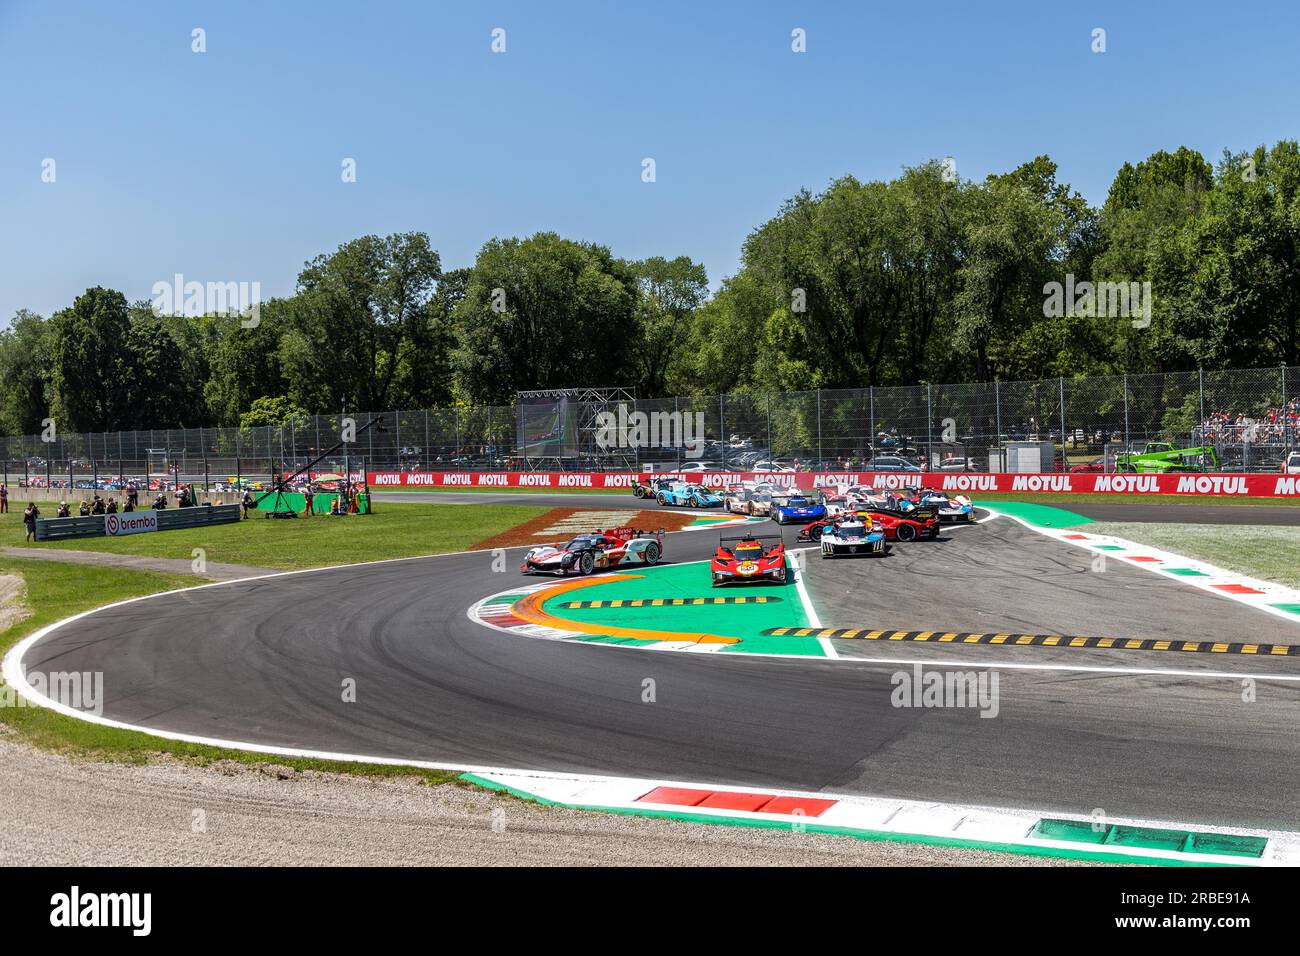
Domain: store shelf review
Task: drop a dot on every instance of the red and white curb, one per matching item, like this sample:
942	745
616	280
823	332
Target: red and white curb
981	827
1252	592
500	617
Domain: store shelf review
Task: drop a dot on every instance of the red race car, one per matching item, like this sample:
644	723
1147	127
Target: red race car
897	525
749	559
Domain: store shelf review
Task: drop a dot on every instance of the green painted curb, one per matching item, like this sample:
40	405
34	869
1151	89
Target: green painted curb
1041	516
872	835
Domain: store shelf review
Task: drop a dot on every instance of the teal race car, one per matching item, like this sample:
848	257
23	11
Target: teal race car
682	495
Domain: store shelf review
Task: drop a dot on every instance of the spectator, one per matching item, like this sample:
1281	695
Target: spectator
247	502
112	506
307	496
84	509
4	499
29	520
64	511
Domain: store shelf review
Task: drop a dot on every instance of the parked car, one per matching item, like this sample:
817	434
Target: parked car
1097	465
959	464
891	463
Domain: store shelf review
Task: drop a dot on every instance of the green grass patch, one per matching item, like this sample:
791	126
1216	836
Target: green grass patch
55	591
1264	551
395	530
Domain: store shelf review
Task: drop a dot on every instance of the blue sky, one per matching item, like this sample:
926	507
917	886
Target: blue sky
225	166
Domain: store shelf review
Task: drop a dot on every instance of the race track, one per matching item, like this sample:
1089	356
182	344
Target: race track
1189	512
264	661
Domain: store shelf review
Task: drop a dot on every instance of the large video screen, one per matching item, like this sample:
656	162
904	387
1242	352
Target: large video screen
547	427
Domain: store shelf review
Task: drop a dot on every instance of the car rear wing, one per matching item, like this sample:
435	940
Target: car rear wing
629	532
722	538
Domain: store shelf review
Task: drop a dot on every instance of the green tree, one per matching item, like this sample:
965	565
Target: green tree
163	396
90	364
360	317
244	363
275	411
1016	238
545	312
670	291
24	370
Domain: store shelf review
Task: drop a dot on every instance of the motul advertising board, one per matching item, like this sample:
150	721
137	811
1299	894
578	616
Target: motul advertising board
1245	486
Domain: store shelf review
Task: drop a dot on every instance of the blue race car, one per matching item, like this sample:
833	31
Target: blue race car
958	508
682	495
800	509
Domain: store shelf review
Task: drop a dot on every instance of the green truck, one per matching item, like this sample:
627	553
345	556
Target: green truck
1161	457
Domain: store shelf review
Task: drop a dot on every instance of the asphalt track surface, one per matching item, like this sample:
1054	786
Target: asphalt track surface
263	661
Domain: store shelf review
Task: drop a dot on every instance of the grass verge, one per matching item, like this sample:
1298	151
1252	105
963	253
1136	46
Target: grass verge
1266	552
395	530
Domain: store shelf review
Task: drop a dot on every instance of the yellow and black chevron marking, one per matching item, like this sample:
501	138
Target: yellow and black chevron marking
1039	640
677	602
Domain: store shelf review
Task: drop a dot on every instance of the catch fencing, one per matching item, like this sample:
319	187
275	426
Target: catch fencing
1249	416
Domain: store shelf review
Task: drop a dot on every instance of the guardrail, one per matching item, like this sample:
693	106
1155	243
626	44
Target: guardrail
92	526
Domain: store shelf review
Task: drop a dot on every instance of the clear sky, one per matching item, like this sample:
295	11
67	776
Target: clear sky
225	165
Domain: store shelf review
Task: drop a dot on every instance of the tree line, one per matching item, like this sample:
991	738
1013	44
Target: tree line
925	277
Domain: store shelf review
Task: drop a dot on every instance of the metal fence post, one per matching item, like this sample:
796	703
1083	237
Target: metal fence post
1286	417
722	428
1126	445
769	426
929	424
1063	458
1200	388
997	410
871	418
819	428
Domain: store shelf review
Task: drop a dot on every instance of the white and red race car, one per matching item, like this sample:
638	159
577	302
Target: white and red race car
597	551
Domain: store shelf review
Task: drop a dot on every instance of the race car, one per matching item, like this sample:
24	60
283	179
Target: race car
748	559
852	536
597	551
958	508
738	500
650	487
906	525
897	525
797	508
684	495
760	502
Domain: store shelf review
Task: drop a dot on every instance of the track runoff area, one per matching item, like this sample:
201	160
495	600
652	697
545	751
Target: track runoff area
1017	684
